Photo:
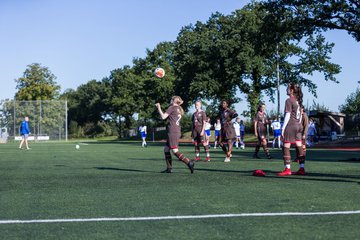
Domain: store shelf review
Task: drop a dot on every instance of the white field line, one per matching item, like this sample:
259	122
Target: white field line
178	217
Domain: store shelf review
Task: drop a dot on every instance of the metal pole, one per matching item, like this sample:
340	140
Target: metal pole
14	118
278	81
66	122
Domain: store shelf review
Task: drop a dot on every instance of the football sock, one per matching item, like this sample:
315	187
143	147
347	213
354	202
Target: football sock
223	147
206	147
287	157
168	159
182	157
257	148
197	150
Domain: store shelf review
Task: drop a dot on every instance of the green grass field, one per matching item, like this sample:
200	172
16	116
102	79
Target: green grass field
119	179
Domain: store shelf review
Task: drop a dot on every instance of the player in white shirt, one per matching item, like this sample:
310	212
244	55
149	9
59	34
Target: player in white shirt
207	131
276	127
143	133
217	126
237	132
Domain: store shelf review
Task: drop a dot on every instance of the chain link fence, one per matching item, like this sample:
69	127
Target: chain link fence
47	119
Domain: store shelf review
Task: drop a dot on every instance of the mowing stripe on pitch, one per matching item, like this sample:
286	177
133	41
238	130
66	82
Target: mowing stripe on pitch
178	217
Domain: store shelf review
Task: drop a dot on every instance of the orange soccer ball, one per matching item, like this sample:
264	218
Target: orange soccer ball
159	72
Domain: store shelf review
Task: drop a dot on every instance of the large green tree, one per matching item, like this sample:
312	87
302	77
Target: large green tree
37	83
352	103
311	15
238	52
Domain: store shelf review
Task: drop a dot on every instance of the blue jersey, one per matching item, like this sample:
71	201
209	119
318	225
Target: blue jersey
24	128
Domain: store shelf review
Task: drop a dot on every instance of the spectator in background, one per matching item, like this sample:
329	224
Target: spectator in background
25	131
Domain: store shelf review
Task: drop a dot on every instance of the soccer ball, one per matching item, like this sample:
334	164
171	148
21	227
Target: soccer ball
159	72
77	146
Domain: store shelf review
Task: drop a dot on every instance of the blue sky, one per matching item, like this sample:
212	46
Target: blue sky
83	40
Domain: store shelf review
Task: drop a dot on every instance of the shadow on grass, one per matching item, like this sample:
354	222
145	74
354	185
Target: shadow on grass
120	169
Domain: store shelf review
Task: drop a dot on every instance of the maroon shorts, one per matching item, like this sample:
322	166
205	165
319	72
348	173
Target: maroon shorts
197	138
261	131
227	133
173	140
292	133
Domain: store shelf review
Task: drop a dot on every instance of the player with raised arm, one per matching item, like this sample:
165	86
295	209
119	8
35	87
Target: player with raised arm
198	134
173	114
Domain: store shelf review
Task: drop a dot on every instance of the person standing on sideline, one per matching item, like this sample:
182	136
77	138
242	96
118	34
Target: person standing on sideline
25	131
291	131
260	130
198	134
227	133
276	127
208	131
242	134
217	126
311	133
237	132
143	133
174	114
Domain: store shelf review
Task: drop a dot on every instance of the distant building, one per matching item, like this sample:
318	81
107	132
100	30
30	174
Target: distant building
329	124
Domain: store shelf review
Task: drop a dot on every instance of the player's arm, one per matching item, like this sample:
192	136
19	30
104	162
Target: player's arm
203	126
286	121
255	127
162	114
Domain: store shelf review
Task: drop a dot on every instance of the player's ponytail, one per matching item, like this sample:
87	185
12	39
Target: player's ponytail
178	101
297	92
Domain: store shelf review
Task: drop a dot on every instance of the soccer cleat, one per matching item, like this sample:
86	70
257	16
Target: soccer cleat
191	166
207	159
168	170
269	156
227	159
197	159
286	172
301	171
256	156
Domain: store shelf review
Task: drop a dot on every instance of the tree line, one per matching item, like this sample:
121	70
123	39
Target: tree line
212	61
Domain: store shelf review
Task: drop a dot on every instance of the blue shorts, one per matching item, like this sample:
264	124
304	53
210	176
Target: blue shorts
277	133
208	133
143	134
217	133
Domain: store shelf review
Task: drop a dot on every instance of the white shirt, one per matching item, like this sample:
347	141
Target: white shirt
207	126
276	125
142	129
217	126
237	128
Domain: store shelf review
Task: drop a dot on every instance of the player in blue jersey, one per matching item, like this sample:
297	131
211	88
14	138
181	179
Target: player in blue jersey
25	131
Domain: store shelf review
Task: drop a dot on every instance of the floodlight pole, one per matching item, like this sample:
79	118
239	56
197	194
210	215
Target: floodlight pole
278	80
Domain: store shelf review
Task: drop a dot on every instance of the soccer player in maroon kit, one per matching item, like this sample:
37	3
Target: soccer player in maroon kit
260	123
173	114
198	131
227	132
291	131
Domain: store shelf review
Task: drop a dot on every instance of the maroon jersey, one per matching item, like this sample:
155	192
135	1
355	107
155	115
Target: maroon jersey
198	119
225	118
262	120
174	118
304	124
292	107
